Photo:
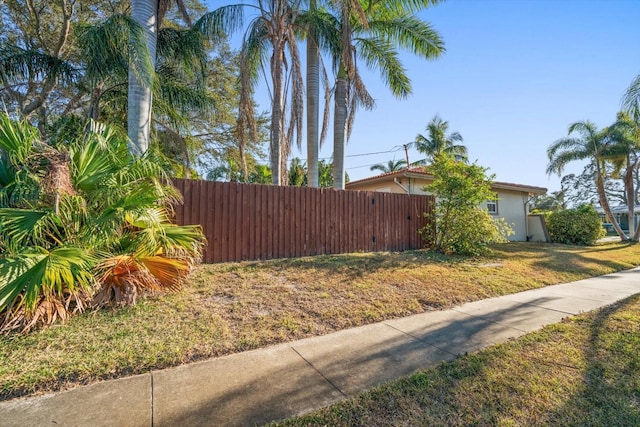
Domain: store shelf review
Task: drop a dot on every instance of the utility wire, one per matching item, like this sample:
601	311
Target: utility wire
397	148
361	166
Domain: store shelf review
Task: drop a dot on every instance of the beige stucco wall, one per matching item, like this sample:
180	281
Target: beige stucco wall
537	228
511	207
384	187
511	204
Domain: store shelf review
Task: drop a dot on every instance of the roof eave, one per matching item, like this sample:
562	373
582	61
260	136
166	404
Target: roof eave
529	189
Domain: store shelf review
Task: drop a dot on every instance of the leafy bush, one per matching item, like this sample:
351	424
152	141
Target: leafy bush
83	224
579	226
461	225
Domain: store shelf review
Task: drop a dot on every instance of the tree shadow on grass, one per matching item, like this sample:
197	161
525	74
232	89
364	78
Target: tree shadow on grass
308	374
610	391
511	384
352	265
568	258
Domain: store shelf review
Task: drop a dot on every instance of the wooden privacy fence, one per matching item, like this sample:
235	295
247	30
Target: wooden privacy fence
250	222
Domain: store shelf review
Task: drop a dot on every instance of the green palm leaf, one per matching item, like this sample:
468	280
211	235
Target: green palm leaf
93	163
16	139
381	55
410	33
43	273
18	65
107	48
28	227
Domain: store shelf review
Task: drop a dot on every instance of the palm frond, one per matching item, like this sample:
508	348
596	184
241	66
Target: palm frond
113	47
412	5
381	55
17	139
18	65
61	271
181	98
94	163
631	98
185	50
224	20
410	33
564	151
586	128
117	206
24	227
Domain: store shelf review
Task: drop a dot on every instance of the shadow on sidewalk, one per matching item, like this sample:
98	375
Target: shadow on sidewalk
249	389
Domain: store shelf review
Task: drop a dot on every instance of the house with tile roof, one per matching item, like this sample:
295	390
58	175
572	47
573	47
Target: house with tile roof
512	201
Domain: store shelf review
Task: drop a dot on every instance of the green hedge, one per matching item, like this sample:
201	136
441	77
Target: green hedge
579	226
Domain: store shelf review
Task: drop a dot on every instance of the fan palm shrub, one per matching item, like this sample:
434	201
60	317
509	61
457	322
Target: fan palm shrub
82	224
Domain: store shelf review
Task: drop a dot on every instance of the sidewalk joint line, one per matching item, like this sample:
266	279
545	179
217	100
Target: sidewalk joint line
421	340
152	396
318	371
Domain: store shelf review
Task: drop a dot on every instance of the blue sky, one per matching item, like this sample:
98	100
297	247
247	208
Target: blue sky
515	75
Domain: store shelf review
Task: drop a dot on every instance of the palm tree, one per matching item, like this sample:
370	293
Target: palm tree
313	100
319	30
391	166
109	50
93	59
260	175
82	225
631	99
625	142
374	36
297	173
438	142
325	174
149	14
592	145
99	58
271	34
145	13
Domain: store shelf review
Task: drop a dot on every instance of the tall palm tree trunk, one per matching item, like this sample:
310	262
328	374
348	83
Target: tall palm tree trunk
313	103
604	202
145	12
277	116
339	130
631	199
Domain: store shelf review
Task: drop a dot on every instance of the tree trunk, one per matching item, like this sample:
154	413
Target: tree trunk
339	130
277	115
145	12
50	82
313	104
604	203
94	107
631	200
243	163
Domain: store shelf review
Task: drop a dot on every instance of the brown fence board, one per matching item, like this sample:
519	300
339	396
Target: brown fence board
248	221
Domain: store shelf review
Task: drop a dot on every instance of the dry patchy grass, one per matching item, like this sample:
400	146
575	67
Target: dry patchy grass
583	371
227	308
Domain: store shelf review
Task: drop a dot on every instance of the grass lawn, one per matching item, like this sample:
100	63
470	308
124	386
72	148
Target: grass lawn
584	371
227	308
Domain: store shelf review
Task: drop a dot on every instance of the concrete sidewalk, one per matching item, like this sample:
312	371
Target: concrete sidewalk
278	382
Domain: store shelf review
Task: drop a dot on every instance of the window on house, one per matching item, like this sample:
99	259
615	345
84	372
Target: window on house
492	207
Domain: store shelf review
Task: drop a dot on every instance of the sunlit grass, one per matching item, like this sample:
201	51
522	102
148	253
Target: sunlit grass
227	308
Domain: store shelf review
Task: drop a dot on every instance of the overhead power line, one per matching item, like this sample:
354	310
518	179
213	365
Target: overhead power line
364	154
